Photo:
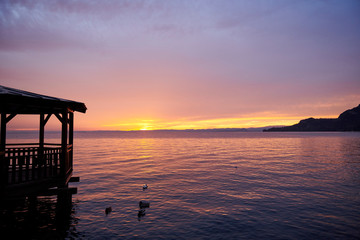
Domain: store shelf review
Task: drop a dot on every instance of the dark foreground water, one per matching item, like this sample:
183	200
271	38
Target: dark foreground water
204	186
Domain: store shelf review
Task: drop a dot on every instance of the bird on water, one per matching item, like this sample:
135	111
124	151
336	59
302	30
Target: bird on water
108	210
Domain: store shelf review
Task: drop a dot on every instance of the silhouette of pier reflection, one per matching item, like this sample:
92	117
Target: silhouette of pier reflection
39	217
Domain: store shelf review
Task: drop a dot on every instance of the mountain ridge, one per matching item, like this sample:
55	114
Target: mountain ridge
349	120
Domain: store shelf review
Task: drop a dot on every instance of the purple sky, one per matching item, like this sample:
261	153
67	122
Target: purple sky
185	64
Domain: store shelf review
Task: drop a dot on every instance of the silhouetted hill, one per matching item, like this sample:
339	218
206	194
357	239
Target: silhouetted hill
347	121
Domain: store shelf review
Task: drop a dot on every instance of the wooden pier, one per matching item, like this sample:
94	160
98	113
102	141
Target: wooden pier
33	168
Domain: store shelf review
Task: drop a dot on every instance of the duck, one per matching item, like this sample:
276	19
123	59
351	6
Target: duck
108	210
145	186
144	204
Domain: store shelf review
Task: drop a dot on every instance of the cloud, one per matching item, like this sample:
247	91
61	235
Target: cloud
30	26
193	60
46	25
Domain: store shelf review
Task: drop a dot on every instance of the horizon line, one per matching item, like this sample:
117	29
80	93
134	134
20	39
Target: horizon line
150	130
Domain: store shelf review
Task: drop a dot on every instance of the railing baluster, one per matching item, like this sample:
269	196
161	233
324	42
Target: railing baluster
44	162
13	172
51	159
56	161
20	163
27	162
10	153
35	165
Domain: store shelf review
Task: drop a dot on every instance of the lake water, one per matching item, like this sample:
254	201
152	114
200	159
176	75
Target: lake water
205	185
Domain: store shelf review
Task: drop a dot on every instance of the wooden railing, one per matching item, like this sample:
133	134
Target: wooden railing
28	162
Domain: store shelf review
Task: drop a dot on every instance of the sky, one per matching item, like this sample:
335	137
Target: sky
141	65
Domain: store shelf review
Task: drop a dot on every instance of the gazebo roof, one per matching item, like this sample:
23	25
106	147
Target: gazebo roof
18	101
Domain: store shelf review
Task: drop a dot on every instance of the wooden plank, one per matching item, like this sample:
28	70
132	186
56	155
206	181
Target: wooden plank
21	144
53	144
74	179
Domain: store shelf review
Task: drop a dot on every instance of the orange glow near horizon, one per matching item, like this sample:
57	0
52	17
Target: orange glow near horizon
245	122
114	123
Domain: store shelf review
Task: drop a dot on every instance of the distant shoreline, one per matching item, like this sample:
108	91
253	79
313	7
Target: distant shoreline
259	129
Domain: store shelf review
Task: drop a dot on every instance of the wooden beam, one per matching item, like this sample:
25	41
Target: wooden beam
47	118
59	117
11	116
74	179
56	191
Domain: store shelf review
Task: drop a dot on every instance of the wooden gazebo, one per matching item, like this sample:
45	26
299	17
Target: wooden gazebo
31	167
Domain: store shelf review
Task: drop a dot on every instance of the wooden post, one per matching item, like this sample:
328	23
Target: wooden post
42	130
71	137
41	159
3	133
3	165
71	128
64	158
63	209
